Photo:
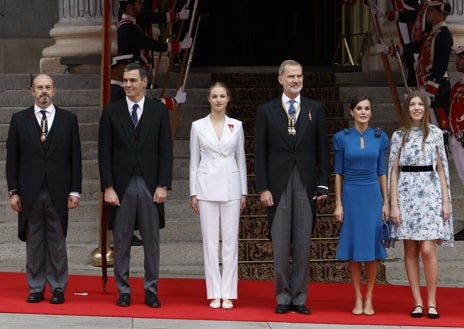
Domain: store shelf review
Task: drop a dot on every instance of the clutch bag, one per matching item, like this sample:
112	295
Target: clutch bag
385	233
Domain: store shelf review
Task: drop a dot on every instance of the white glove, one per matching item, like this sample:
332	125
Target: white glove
183	14
377	11
378	49
186	43
429	96
181	96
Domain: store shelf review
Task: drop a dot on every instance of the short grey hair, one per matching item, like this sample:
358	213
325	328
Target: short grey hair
288	62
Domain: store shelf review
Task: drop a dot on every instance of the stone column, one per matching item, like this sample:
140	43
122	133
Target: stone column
455	21
77	33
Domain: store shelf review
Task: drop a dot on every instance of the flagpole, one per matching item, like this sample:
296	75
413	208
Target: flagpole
102	255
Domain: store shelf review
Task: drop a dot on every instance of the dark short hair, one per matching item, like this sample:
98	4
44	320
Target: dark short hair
136	66
123	4
357	99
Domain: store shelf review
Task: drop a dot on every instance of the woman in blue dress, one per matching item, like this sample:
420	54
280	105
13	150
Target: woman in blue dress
361	198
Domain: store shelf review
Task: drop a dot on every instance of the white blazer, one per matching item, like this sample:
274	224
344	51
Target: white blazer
217	167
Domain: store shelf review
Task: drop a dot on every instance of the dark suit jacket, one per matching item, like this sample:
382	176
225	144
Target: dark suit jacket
28	165
131	40
275	156
119	152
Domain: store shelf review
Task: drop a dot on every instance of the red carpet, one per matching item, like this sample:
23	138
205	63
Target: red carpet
185	299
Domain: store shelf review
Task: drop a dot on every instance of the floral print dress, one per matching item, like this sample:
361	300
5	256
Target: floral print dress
419	193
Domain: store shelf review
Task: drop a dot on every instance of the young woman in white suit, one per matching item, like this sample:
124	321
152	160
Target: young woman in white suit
218	189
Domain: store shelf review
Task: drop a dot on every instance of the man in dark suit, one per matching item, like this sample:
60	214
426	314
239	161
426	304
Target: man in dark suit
44	174
118	63
135	160
291	158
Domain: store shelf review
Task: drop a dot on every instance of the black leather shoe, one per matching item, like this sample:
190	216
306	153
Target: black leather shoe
123	300
302	309
58	296
281	308
35	297
434	315
151	300
417	311
136	241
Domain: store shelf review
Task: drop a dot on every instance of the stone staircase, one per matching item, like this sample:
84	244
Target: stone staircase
181	250
249	89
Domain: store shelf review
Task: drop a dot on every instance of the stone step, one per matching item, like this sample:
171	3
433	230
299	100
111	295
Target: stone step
363	79
79	231
84	113
181	248
62	81
450	265
378	94
89	151
65	81
176	209
88	97
88	120
88	131
179	258
90	171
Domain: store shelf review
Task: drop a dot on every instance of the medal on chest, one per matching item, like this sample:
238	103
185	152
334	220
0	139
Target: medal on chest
291	127
43	127
291	120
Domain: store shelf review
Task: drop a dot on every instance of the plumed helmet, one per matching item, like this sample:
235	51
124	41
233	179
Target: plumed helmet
442	5
458	50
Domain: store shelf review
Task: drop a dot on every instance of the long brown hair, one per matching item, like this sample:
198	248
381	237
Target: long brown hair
406	117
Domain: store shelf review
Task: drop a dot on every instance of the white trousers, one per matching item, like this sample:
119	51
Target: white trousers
215	218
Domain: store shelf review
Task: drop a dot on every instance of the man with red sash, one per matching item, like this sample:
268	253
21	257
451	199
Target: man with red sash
434	53
432	64
410	18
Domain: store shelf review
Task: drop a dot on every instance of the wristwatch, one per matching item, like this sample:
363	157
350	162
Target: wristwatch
12	192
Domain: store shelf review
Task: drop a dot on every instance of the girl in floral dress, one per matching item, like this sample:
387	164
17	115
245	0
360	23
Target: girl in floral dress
420	199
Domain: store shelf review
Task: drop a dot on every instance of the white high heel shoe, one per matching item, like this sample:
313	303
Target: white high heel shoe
215	303
227	304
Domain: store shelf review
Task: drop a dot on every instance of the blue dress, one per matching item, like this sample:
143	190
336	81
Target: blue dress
361	193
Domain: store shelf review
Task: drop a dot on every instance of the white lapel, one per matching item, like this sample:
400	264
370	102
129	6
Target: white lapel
207	132
229	131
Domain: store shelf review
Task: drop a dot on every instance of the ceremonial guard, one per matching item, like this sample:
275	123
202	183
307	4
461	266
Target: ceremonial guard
131	37
434	54
456	119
